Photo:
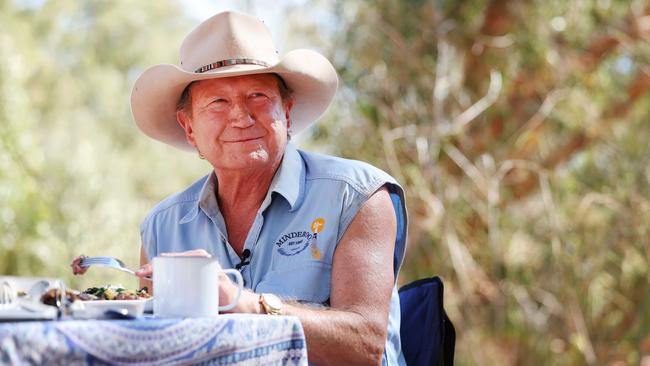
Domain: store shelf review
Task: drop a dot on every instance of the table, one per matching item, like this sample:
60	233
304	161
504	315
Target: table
230	339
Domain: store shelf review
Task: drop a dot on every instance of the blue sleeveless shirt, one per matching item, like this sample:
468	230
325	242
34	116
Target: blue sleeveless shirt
311	201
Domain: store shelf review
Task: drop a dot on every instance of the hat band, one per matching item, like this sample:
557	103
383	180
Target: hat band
230	62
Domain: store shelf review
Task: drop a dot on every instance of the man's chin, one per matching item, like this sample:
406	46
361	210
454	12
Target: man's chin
245	160
258	156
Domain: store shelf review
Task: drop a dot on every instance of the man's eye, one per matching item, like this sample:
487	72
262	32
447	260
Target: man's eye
219	100
258	95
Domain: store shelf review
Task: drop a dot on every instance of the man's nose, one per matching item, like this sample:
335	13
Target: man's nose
240	115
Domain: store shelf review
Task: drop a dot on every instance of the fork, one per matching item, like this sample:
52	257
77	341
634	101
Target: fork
107	262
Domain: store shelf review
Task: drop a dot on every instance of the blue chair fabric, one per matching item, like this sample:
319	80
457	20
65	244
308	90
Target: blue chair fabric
428	336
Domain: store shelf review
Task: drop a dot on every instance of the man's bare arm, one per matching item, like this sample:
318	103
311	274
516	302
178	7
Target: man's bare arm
354	330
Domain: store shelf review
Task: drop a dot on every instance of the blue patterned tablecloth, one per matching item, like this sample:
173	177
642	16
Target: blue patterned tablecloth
232	339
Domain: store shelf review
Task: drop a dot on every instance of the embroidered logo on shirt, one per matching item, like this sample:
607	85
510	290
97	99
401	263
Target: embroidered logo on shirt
297	241
316	227
294	242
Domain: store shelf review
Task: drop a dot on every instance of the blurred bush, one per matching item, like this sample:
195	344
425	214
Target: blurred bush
76	176
520	131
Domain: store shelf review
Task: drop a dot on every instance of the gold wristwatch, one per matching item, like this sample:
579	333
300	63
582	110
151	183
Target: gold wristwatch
271	304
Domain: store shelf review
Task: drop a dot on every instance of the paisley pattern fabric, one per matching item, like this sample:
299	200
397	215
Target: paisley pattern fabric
235	339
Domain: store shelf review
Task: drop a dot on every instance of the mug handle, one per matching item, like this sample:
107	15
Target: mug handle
240	286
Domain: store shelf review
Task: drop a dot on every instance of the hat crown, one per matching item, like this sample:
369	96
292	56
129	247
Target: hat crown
227	36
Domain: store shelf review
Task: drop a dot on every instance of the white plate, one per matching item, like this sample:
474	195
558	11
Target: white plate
35	311
25	283
96	308
17	312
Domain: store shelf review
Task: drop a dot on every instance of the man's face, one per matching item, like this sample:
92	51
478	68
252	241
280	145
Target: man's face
238	122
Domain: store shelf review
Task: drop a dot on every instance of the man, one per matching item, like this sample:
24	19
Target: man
317	237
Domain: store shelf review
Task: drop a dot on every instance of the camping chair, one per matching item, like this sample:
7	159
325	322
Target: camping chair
428	336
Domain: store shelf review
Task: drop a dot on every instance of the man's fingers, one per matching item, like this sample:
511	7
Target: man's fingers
144	271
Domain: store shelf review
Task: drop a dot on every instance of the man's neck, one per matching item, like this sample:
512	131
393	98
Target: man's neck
245	190
240	197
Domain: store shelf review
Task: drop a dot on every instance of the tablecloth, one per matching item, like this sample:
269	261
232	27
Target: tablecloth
230	339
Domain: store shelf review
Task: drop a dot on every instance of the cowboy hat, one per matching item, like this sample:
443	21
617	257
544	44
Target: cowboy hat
230	44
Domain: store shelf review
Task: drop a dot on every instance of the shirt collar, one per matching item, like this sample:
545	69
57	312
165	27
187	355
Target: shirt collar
208	196
207	200
288	182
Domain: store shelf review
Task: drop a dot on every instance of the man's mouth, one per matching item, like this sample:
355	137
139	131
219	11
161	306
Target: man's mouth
242	139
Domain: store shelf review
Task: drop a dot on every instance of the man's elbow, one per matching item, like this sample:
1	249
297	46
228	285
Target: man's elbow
374	357
374	343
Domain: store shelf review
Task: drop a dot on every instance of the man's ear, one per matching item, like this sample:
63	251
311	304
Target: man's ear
288	105
185	122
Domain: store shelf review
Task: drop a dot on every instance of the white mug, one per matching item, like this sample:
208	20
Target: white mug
189	287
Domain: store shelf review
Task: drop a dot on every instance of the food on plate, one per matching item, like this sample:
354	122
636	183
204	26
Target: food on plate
50	297
108	292
112	292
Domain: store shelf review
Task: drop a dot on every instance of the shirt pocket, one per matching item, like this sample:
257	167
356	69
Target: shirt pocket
309	282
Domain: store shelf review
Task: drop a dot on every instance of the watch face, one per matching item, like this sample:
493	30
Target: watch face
273	301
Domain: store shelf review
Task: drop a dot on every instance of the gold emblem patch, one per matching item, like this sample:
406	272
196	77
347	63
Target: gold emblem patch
316	227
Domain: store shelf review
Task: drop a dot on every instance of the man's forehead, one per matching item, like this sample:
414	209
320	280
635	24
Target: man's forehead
260	80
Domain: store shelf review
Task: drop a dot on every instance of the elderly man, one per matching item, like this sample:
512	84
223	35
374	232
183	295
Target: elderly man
314	236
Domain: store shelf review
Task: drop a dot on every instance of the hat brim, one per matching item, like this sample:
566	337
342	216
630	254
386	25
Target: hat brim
309	75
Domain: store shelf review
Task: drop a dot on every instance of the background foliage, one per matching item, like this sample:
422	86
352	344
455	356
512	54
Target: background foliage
519	129
75	175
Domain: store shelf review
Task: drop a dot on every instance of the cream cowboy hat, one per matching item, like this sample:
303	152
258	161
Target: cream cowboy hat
230	44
